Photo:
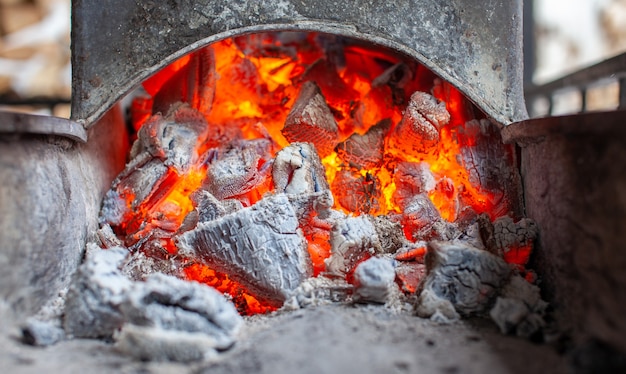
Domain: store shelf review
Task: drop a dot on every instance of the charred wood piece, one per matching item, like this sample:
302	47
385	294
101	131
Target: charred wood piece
310	120
466	278
418	131
374	280
365	151
409	275
357	193
297	169
260	247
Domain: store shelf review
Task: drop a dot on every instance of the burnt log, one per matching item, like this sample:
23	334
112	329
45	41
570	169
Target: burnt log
260	247
365	151
310	120
460	277
418	131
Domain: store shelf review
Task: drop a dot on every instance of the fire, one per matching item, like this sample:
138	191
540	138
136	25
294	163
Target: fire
255	84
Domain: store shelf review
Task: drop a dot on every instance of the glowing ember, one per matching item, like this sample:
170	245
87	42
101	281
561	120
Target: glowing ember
393	140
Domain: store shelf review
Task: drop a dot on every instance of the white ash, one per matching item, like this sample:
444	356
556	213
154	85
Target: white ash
138	266
519	309
319	291
41	333
351	239
261	247
298	169
157	344
438	309
467	277
95	294
107	238
374	280
173	304
389	234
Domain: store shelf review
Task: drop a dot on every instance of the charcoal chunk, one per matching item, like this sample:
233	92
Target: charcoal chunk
260	247
465	277
418	131
357	193
310	120
365	151
92	308
374	280
298	169
352	240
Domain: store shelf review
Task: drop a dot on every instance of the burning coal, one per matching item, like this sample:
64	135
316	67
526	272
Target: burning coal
265	160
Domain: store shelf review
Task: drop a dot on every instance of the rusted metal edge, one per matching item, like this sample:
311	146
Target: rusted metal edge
534	130
477	49
23	123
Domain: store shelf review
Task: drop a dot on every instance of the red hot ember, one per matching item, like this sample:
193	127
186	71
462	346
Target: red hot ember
255	154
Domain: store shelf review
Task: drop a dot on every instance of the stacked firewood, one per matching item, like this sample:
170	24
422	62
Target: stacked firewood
35	52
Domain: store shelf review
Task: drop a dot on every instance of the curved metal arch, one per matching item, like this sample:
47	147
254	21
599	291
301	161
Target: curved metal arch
477	49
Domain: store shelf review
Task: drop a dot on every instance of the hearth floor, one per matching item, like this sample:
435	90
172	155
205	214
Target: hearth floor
324	339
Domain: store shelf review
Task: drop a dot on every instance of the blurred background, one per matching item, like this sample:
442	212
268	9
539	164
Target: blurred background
561	36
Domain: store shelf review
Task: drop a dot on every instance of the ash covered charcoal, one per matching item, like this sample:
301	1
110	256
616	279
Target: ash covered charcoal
418	131
365	151
209	208
92	308
260	247
166	303
239	170
462	277
357	193
352	240
509	239
310	120
298	169
172	138
412	178
519	308
374	280
389	234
